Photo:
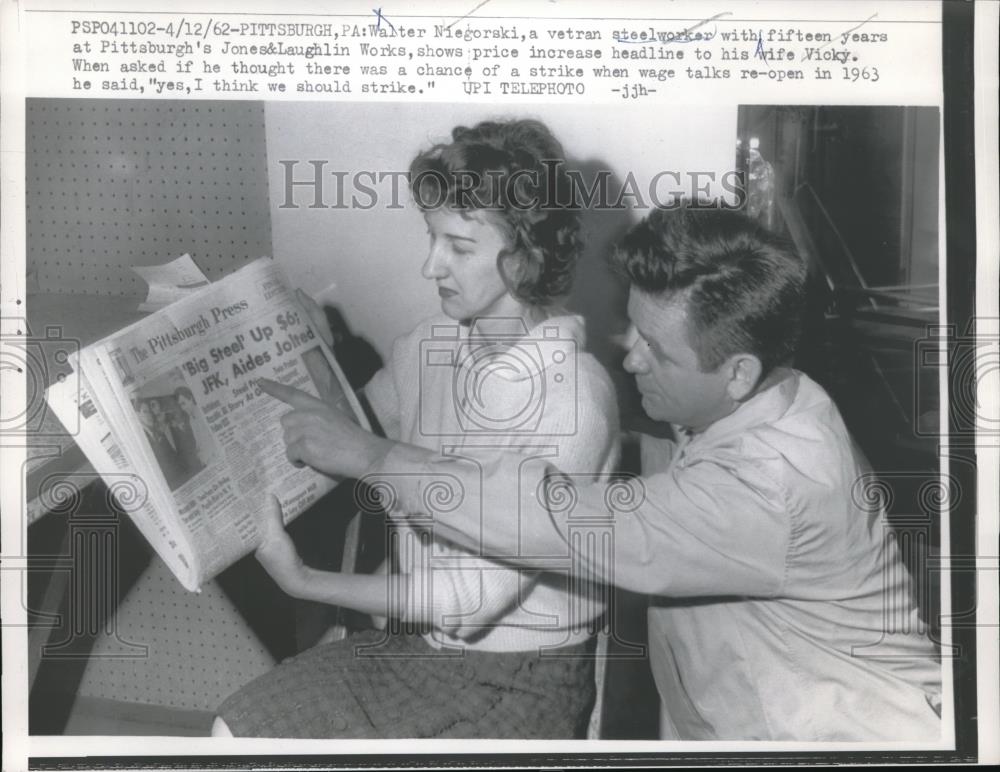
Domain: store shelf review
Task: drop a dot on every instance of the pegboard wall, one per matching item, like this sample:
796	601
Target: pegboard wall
200	650
116	183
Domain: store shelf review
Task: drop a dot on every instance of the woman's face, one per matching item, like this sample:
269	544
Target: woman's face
462	261
186	403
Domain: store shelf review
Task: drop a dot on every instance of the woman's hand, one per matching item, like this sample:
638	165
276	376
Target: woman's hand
277	553
324	437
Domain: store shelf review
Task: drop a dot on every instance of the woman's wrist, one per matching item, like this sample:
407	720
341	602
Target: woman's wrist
292	578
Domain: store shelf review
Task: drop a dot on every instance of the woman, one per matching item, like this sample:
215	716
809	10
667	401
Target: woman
501	367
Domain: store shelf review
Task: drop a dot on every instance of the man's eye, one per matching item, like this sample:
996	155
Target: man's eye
658	352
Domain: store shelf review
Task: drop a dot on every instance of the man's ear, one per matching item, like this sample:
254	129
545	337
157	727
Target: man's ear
744	375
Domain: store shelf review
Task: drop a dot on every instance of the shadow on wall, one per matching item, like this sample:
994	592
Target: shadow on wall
598	294
355	354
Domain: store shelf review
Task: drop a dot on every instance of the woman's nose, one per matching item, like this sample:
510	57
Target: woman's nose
435	266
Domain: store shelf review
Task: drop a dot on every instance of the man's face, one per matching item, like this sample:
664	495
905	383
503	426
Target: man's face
666	368
146	415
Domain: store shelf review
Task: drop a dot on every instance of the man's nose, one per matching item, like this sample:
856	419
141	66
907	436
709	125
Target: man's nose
633	363
634	359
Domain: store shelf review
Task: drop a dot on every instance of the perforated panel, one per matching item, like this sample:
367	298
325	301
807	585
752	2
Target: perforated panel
200	648
139	182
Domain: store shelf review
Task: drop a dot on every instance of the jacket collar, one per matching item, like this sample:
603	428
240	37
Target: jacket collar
502	346
559	326
766	406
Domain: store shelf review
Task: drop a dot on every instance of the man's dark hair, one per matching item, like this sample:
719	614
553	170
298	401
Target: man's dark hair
743	288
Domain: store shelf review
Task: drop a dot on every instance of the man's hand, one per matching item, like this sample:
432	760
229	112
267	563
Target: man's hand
323	436
277	553
379	622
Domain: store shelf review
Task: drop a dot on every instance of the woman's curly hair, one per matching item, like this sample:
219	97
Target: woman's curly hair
513	169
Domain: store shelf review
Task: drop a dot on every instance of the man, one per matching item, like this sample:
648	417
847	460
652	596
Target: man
162	445
785	612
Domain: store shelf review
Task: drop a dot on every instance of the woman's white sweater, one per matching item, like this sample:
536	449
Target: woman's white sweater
479	392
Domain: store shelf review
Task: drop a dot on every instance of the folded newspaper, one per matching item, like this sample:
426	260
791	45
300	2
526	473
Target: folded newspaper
169	412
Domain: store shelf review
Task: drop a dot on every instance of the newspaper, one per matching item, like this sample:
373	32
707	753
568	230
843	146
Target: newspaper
69	402
169	283
335	101
173	400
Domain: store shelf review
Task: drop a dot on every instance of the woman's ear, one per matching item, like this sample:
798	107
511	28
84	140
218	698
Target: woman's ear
744	375
514	269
